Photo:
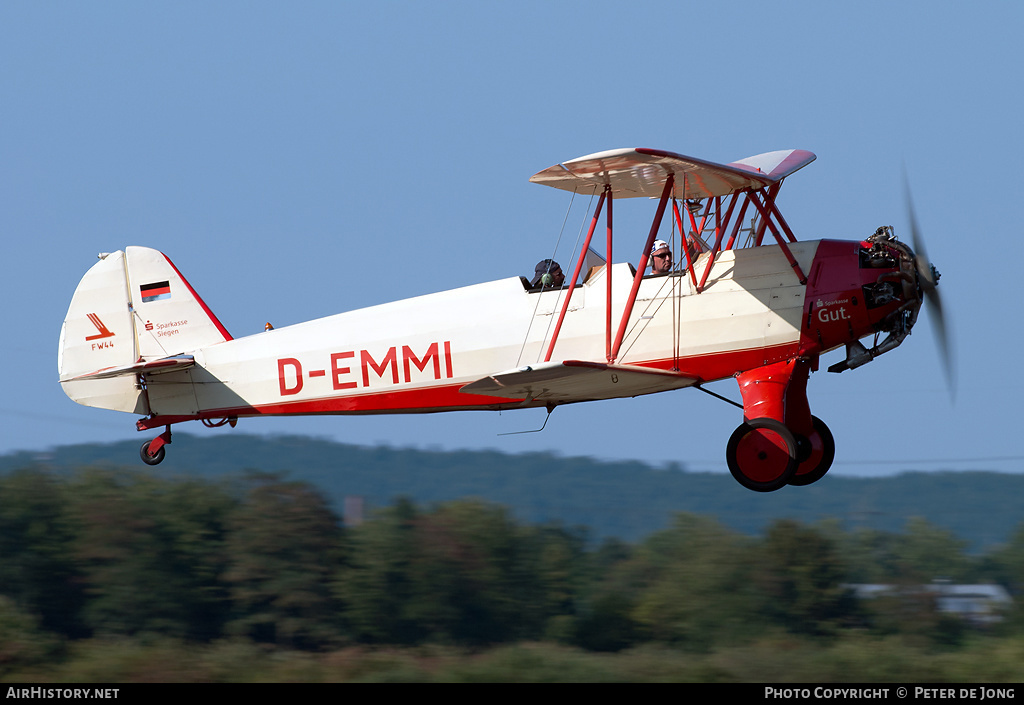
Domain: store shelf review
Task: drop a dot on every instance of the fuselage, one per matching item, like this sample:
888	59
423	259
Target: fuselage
414	355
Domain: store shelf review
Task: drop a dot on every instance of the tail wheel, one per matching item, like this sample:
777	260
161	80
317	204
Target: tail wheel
819	450
155	458
762	455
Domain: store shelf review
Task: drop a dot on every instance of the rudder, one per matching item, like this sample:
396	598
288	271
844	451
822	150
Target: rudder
170	317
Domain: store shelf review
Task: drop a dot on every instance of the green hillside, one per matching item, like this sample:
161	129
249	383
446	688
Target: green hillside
628	500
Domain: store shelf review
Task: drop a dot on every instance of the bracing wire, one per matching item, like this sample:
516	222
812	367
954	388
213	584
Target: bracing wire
572	258
536	306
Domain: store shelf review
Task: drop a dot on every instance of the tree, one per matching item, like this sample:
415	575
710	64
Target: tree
37	562
873	556
801	579
151	553
463	573
376	583
555	567
467	571
928	552
608	625
22	642
284	546
693	584
1005	566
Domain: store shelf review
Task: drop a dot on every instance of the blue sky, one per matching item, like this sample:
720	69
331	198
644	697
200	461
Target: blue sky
298	160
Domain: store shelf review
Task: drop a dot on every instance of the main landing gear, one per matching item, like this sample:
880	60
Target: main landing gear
779	442
764	455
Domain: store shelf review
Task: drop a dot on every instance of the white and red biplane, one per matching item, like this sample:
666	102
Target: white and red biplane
138	338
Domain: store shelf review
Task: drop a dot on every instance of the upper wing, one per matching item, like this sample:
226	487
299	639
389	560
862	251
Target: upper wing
577	380
635	173
777	165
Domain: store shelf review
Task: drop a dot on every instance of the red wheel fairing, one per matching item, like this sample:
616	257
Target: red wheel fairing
762	455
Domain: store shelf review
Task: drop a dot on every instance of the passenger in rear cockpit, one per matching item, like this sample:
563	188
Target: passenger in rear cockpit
547	275
661	258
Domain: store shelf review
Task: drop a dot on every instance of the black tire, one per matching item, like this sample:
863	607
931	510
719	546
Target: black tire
827	449
154	459
769	467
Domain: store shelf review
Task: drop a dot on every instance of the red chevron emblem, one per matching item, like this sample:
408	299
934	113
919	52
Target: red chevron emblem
104	332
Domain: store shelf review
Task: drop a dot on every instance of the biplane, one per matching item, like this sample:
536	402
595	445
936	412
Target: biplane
744	299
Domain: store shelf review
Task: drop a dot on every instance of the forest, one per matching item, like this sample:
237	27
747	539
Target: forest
113	575
623	499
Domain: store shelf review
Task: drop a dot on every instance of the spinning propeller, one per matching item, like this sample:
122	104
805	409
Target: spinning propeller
928	277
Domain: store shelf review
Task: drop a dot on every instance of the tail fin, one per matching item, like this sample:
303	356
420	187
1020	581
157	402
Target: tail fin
130	307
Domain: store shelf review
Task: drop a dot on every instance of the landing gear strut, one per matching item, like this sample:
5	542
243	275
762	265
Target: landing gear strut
153	452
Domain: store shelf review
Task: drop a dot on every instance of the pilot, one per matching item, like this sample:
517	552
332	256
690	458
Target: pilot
661	258
547	275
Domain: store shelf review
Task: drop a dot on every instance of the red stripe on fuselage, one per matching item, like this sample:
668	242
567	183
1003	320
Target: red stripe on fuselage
447	397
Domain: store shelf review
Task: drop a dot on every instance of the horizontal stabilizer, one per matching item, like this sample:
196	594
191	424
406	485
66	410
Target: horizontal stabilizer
577	380
151	367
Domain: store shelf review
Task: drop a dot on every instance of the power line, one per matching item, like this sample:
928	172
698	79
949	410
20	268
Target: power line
988	459
919	461
982	459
